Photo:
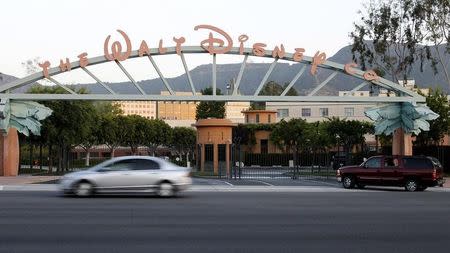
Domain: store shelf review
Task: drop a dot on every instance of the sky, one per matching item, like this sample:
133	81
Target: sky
55	29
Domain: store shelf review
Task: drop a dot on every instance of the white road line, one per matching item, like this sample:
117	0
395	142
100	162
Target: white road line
1	187
228	183
319	182
262	182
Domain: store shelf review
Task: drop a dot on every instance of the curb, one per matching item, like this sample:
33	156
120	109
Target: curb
225	188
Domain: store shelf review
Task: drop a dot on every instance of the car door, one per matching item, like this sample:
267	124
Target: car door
390	172
370	172
115	175
145	173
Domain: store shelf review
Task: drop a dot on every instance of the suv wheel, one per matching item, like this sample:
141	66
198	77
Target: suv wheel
83	189
348	182
166	190
411	185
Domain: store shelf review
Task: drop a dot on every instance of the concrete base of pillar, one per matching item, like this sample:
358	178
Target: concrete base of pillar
9	153
401	143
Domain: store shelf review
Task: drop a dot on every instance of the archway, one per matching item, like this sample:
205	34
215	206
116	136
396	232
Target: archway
218	42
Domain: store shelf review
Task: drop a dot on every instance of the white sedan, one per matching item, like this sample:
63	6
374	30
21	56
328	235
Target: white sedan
128	174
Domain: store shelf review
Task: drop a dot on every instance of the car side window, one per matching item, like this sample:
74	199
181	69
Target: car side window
146	164
391	162
373	162
121	165
417	163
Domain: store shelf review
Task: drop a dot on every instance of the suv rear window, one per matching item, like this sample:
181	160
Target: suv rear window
417	163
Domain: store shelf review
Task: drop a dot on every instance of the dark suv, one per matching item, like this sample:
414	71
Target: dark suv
415	173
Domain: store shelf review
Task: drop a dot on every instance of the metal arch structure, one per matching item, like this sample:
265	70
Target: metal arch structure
402	94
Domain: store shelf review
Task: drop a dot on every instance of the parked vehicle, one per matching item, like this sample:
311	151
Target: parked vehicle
415	173
128	174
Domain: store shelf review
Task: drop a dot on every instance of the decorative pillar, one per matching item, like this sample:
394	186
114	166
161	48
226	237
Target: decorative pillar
401	143
9	153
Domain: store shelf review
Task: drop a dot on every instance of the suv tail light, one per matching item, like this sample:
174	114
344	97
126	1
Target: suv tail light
434	174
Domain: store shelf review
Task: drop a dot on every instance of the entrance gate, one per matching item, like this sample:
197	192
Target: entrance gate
313	166
217	42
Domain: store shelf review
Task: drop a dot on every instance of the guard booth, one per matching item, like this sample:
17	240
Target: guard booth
214	138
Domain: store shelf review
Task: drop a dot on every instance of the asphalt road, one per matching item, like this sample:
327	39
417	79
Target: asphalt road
353	221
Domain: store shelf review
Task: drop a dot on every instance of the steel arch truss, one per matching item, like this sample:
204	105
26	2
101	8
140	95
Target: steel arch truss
402	94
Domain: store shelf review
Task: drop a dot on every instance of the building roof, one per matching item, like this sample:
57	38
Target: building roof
212	122
259	111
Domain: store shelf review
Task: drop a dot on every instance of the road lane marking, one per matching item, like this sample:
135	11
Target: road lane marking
228	183
320	182
262	182
1	187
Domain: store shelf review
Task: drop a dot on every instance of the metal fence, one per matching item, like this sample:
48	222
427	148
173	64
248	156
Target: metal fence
305	165
297	172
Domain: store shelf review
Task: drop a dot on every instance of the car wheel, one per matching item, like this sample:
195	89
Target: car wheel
348	182
411	185
166	190
83	189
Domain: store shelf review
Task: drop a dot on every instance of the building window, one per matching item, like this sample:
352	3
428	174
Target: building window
269	118
349	111
323	112
282	113
257	118
306	112
246	118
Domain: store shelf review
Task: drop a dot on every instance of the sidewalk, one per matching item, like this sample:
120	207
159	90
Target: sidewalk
447	182
26	179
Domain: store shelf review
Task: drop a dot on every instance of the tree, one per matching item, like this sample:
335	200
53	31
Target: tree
436	17
290	135
156	133
241	134
68	126
245	133
89	138
109	131
183	140
390	33
134	131
438	103
210	109
347	133
318	139
93	134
